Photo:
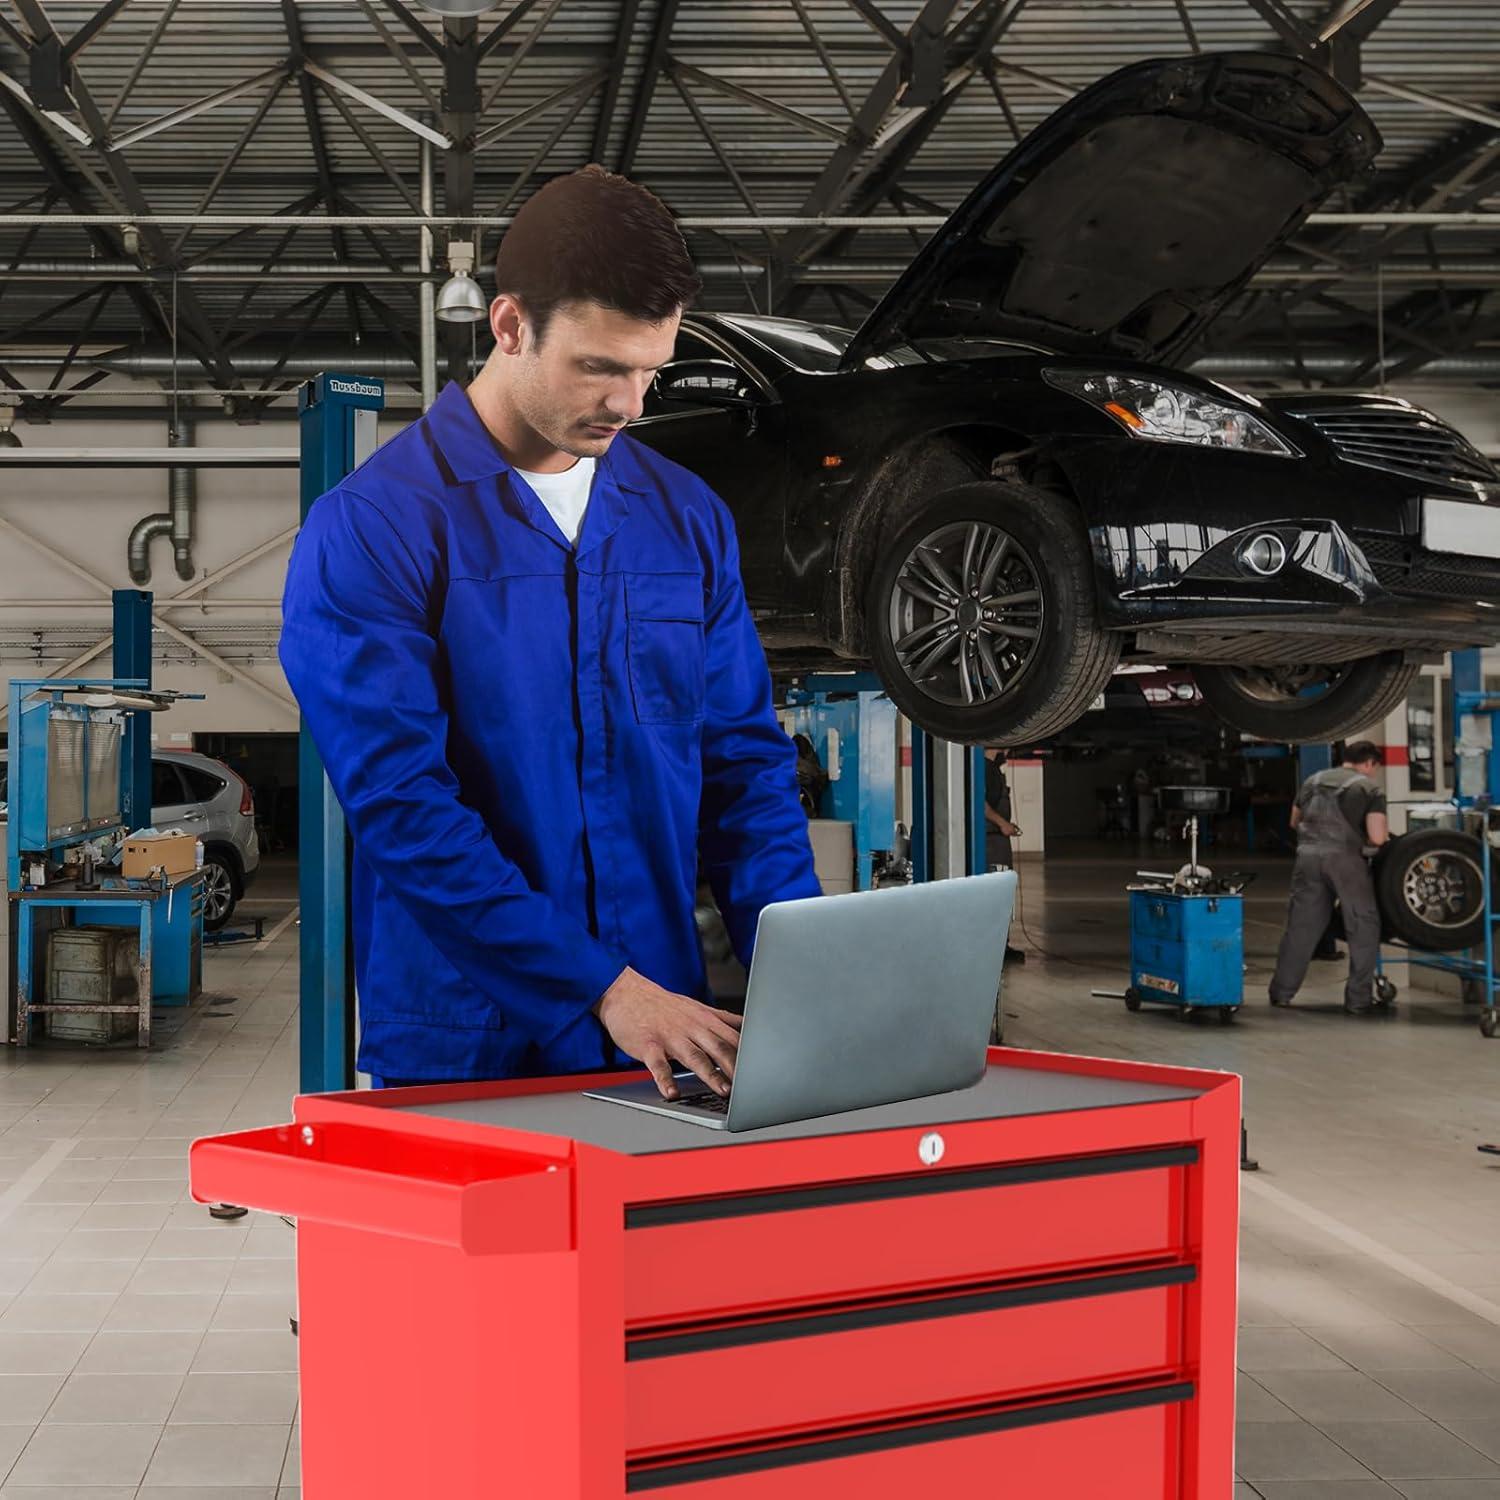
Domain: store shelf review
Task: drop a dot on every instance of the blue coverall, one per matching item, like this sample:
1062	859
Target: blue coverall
533	744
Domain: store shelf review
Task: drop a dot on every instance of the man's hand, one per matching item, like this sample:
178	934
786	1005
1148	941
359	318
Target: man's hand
655	1025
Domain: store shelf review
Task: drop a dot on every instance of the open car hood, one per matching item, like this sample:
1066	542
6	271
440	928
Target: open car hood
1125	221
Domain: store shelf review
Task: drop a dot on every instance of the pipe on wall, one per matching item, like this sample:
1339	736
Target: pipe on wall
177	521
426	293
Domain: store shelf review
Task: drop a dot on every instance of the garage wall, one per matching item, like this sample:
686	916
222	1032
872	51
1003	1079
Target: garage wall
50	613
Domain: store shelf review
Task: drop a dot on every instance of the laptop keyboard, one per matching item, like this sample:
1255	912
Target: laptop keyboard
706	1100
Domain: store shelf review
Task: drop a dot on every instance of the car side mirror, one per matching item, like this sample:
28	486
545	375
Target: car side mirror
704	382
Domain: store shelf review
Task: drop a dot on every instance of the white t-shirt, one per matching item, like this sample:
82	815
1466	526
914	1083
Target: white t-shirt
566	495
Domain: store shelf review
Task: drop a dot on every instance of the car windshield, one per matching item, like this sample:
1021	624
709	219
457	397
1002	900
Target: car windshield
815	348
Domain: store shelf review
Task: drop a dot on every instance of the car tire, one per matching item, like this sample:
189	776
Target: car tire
1429	886
221	890
1029	687
1267	703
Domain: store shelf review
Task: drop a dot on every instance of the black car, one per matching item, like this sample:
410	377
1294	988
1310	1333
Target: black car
997	489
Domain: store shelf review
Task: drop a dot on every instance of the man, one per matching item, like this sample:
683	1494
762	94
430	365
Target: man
1338	814
998	828
521	644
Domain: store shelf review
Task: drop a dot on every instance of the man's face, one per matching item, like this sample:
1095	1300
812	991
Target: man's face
1370	768
589	375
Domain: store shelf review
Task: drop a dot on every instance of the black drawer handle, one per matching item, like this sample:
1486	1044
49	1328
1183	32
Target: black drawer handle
917	1310
657	1476
879	1189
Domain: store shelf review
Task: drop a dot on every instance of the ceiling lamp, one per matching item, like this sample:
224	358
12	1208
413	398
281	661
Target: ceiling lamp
8	438
460	300
459	7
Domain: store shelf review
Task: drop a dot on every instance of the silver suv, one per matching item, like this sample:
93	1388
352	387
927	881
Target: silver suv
202	796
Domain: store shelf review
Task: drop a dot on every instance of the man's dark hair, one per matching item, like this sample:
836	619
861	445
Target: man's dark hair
1363	752
595	236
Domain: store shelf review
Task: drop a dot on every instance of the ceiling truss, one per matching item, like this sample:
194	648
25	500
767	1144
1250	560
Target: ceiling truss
894	79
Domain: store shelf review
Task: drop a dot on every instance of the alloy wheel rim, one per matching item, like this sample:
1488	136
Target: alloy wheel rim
966	614
218	892
1443	890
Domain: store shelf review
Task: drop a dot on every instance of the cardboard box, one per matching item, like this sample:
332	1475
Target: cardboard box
176	853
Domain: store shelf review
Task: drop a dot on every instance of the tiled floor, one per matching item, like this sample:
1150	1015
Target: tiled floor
144	1348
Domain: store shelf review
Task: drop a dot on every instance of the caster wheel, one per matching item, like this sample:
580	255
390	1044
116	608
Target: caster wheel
1385	990
1489	1022
226	1211
1227	1013
1132	1000
1184	1012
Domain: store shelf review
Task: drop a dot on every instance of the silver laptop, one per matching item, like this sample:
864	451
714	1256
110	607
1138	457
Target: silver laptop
869	998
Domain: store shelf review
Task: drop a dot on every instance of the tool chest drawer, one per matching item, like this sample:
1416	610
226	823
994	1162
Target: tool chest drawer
742	1380
803	1245
1111	1445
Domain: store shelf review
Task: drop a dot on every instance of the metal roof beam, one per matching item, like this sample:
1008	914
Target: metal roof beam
399	53
881	23
372	147
517	57
147	53
605	118
252	125
656	55
824	56
1287	24
414	26
1459	107
92	27
586	83
825	128
200	337
1355	19
502	29
379	106
198	107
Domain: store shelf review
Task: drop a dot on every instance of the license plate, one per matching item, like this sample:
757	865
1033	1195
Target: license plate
1461	526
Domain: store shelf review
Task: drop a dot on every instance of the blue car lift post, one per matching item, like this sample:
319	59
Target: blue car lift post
851	723
1474	711
338	415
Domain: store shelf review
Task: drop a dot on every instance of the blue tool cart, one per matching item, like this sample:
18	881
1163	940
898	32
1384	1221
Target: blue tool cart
1186	951
1187	928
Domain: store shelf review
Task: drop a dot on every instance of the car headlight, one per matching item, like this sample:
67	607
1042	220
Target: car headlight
1162	413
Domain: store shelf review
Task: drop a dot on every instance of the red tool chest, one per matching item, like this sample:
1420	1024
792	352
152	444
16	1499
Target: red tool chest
509	1290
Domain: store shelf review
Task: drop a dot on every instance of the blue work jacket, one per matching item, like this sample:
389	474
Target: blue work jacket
533	744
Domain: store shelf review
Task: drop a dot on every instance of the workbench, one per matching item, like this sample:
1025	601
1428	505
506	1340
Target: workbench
1025	1289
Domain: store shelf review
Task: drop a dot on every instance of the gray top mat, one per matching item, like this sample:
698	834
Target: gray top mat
1002	1093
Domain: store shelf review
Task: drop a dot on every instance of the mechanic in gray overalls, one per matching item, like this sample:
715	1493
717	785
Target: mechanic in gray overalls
1338	815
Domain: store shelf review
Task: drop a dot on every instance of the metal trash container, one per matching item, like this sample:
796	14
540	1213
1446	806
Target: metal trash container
88	966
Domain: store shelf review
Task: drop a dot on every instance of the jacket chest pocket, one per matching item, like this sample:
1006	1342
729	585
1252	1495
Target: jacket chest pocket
664	627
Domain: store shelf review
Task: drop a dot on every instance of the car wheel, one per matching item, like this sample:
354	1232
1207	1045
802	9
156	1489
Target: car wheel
219	892
981	616
1296	704
1430	889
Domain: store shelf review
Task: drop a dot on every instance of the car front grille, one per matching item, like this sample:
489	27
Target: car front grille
1405	568
1400	439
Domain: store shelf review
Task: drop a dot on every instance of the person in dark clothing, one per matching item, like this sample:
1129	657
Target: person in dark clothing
1339	813
998	828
